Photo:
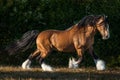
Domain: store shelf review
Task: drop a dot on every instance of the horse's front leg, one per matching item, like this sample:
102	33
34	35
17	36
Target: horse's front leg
80	55
73	63
100	64
92	53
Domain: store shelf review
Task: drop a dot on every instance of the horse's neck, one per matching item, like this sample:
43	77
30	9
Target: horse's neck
86	36
87	32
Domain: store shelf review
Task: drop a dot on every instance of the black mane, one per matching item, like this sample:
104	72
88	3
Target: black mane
89	20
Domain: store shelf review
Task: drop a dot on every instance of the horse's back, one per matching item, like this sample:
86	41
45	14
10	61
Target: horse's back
47	34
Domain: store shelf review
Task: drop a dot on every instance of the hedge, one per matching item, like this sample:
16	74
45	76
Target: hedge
19	16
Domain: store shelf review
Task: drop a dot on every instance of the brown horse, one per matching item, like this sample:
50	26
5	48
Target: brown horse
78	38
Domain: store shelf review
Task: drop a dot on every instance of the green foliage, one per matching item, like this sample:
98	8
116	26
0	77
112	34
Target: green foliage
19	16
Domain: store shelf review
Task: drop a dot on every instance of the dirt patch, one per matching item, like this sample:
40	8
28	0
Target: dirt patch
17	73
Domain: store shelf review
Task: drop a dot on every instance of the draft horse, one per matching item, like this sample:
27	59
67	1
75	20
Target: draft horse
78	38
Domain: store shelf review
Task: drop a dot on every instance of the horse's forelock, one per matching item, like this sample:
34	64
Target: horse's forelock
98	17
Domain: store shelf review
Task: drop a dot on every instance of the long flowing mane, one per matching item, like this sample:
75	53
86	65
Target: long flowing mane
90	20
87	20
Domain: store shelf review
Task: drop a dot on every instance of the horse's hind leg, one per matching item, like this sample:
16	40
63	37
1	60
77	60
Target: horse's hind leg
41	58
26	64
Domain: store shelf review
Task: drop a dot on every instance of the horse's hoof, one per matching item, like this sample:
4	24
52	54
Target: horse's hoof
100	65
72	63
46	67
26	64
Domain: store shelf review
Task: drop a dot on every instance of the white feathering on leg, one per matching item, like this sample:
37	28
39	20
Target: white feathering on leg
72	63
46	67
100	64
75	64
26	64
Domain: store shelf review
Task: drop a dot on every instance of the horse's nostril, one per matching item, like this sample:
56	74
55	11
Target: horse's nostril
107	36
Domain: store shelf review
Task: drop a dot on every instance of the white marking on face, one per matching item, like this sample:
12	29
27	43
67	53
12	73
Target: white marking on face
106	34
108	30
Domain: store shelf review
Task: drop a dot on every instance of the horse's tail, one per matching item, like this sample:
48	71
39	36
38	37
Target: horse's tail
24	43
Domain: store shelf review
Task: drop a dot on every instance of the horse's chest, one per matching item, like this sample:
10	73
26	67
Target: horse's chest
85	42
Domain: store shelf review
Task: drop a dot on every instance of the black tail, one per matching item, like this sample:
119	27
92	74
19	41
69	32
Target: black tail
24	43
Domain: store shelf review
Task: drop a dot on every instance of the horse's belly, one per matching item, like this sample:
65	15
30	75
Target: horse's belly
62	42
69	48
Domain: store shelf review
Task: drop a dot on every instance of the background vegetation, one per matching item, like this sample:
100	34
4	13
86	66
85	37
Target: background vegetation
19	16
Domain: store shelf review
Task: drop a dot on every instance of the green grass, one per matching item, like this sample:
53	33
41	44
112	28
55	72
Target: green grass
17	73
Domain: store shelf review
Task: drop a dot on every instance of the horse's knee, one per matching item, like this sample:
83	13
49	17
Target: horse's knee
41	57
33	55
44	53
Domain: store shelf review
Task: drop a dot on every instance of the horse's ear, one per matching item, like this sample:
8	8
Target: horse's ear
102	16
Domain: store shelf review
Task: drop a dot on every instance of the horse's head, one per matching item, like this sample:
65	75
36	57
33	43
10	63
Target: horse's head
102	26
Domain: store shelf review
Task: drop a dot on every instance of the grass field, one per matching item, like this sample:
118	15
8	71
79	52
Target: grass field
17	73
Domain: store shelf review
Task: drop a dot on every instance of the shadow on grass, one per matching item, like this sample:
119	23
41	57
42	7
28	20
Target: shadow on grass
39	75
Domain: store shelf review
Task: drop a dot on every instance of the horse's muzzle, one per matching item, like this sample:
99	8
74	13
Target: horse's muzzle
106	37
